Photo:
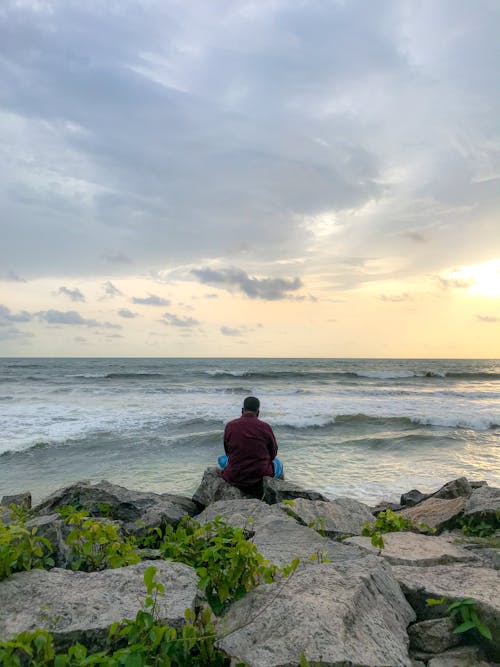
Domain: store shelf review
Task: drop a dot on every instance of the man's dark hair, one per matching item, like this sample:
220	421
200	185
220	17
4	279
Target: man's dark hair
251	404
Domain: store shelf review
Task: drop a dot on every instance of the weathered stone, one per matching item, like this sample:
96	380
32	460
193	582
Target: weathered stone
484	503
21	499
282	539
348	614
413	549
433	636
245	513
413	497
213	488
457	488
464	656
278	537
277	490
478	484
384	505
454	582
336	518
53	528
134	508
81	606
436	513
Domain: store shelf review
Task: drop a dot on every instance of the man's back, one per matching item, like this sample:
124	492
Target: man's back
251	447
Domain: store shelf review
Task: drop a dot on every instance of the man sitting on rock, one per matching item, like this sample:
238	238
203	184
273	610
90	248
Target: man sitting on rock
251	450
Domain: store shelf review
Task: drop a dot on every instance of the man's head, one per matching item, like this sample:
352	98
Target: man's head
251	404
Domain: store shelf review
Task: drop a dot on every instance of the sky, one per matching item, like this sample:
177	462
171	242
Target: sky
245	178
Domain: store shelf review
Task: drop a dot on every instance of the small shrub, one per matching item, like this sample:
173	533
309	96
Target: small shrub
22	549
386	522
227	564
96	545
477	526
466	612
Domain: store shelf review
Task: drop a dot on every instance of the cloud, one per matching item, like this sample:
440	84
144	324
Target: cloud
6	316
455	283
175	321
73	294
72	318
269	289
395	298
125	312
151	300
488	319
231	331
12	277
118	258
110	290
13	333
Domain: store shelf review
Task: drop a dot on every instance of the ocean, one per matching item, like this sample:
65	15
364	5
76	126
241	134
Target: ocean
365	428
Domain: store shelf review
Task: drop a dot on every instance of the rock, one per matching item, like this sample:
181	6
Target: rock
433	636
436	513
213	488
278	537
484	503
413	497
280	540
349	614
246	513
413	549
478	484
277	490
53	528
454	582
336	518
384	505
457	488
21	499
138	510
465	656
81	606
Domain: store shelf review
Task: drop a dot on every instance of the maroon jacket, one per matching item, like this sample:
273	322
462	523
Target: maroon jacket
251	447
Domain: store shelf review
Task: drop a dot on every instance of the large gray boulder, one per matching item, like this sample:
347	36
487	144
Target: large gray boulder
484	503
413	497
349	614
213	488
336	518
436	513
457	488
137	510
21	499
454	582
80	606
463	656
53	528
277	490
413	549
277	536
246	513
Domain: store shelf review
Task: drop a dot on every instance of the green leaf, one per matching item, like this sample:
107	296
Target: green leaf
484	630
464	627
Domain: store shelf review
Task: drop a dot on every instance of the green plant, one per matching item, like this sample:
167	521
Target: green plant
386	522
228	565
22	549
96	545
477	526
28	648
19	513
466	611
318	524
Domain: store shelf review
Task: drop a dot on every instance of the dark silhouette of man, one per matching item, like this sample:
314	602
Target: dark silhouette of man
251	448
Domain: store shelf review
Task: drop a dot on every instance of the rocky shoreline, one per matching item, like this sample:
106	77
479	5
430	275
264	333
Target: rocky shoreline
348	602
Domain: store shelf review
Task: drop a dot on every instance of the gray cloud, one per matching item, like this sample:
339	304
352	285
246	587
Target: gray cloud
110	290
487	319
151	300
11	277
179	135
73	294
72	318
125	312
231	331
269	289
455	283
174	320
13	333
6	316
